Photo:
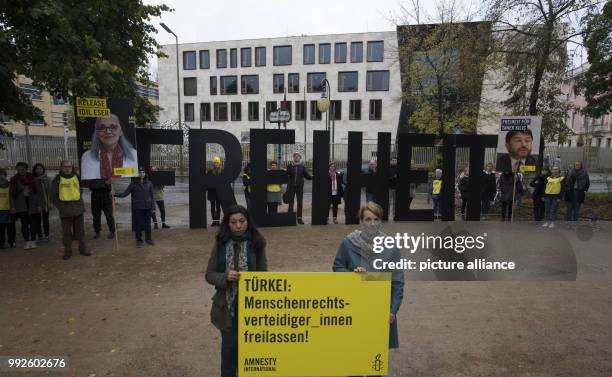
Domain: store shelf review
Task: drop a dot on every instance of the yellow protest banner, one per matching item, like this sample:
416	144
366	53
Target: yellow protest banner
99	103
92	112
313	324
527	168
129	171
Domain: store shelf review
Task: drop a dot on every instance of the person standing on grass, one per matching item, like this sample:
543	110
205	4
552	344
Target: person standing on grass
577	185
539	185
24	204
238	247
297	173
41	180
102	201
552	196
463	185
334	190
246	184
434	191
274	192
7	221
141	190
506	184
65	194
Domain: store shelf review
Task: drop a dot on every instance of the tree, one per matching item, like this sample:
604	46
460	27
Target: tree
443	60
531	40
74	48
596	82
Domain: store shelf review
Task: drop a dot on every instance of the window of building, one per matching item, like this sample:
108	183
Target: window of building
377	81
347	81
335	110
205	112
245	57
204	59
324	53
260	56
300	110
233	57
279	83
33	92
282	55
213	85
340	53
355	109
309	54
271	107
356	52
315	114
314	82
222	58
249	84
253	111
229	84
376	51
58	99
189	60
293	80
190	86
375	109
189	112
236	110
220	112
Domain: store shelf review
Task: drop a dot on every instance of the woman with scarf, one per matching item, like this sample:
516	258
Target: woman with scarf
355	255
577	184
24	203
41	180
109	150
334	190
238	247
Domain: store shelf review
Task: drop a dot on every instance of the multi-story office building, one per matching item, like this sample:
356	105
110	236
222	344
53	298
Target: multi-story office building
234	85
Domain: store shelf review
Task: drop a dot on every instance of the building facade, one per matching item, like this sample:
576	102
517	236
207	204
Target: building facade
235	85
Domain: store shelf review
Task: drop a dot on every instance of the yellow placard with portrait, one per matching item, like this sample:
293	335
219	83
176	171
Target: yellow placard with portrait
313	323
129	171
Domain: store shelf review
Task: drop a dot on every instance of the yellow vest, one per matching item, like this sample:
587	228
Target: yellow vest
437	186
4	199
553	185
274	188
69	189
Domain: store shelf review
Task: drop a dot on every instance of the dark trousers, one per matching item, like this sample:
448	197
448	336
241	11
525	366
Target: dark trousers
334	206
464	204
272	207
76	223
7	231
573	211
538	209
35	222
436	207
485	206
101	201
296	191
28	228
229	350
43	225
162	212
248	203
215	209
142	217
506	210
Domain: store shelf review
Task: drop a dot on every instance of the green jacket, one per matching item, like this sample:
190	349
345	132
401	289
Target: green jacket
66	209
216	275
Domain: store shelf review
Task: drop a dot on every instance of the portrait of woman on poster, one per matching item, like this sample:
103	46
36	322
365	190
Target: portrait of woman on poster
109	150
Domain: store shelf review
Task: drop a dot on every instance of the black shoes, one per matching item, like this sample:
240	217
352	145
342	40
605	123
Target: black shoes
155	226
164	226
66	256
111	235
97	235
139	243
85	253
150	243
299	221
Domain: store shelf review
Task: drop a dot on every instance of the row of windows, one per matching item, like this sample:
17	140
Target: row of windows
283	55
335	111
249	84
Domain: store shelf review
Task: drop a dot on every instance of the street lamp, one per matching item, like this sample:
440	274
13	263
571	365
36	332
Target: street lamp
178	89
323	104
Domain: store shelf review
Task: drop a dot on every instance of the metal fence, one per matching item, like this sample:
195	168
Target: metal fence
51	151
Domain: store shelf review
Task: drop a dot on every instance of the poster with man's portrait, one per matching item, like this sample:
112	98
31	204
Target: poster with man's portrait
106	138
518	143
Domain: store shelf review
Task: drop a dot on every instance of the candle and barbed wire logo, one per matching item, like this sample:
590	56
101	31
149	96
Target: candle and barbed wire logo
377	364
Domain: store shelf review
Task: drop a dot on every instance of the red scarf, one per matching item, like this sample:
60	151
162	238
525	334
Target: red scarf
106	170
332	175
25	180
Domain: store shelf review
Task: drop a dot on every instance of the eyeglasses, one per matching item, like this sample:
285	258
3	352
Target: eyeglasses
111	127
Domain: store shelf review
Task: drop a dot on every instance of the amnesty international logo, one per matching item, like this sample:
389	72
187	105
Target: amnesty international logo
377	364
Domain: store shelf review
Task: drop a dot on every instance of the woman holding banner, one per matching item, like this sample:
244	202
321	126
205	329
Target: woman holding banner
109	150
355	255
238	247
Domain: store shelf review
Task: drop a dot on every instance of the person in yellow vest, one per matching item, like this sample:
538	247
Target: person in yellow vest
65	193
552	196
246	183
274	192
211	193
434	192
7	223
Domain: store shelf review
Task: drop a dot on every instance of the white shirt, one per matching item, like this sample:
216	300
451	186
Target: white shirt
90	165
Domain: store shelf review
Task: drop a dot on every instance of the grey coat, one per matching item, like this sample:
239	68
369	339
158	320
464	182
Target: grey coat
348	257
215	275
19	202
142	194
42	188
